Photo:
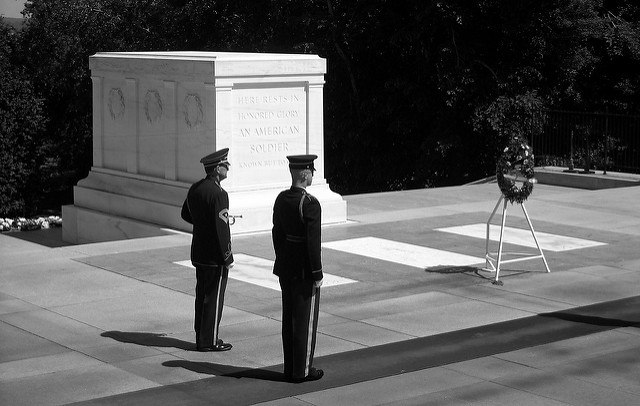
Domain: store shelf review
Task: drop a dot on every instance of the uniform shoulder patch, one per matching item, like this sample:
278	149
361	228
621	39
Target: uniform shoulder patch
224	215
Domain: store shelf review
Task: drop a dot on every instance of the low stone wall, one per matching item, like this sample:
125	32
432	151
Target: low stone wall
594	180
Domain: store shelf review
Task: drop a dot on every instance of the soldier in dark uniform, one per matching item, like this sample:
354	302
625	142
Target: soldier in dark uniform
298	264
207	208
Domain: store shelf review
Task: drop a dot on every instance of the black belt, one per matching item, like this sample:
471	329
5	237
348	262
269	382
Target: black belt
295	238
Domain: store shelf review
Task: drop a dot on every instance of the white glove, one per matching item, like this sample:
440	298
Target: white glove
231	265
318	283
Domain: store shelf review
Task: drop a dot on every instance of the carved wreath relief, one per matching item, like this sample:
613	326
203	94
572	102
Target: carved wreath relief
116	103
192	110
152	106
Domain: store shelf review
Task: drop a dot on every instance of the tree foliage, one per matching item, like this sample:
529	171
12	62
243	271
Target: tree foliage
418	93
22	156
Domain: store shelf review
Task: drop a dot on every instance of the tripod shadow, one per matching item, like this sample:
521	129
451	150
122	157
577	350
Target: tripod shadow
472	271
447	269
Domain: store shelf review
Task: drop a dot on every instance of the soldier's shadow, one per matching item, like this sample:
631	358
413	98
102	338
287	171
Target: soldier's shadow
265	374
210	368
149	339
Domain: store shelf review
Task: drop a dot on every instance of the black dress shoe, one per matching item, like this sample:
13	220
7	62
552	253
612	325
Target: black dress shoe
314	375
220	346
216	348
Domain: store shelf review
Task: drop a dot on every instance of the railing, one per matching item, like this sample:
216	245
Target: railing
586	141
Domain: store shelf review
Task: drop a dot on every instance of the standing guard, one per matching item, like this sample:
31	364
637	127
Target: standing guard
296	241
207	208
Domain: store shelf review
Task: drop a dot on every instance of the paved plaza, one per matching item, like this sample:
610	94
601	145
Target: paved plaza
408	315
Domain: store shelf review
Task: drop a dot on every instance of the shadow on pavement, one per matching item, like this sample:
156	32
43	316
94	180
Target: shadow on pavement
160	340
149	339
50	237
259	373
227	371
472	271
209	368
452	269
595	320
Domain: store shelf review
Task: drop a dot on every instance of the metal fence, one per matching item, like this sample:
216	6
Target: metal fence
586	141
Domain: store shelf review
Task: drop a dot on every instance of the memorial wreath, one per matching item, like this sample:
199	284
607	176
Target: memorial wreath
514	166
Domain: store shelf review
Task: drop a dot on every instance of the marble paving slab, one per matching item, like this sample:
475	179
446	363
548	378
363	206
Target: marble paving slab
18	344
394	389
567	389
484	393
518	236
402	253
45	365
397	305
578	349
259	271
456	316
70	386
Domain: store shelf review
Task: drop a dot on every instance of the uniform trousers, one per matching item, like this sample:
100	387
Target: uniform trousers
300	307
211	283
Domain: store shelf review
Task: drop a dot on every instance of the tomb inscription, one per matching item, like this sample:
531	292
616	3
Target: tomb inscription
268	124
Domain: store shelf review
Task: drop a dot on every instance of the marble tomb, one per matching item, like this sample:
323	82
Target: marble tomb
155	114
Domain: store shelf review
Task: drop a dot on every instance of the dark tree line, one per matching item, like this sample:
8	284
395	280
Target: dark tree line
419	93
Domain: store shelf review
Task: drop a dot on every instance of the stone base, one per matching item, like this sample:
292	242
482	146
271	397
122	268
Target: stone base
83	226
110	205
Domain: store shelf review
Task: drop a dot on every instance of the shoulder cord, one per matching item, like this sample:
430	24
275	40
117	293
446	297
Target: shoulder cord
304	194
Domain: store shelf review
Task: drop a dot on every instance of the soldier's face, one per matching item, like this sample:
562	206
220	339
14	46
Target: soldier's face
223	171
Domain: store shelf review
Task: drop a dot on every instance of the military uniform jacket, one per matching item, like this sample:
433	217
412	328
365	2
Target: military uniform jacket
296	235
207	208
